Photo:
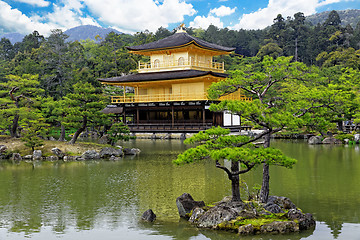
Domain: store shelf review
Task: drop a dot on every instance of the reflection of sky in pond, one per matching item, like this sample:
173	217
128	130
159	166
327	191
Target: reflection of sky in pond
103	199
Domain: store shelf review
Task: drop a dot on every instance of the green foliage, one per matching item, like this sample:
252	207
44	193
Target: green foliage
217	144
344	136
84	107
19	98
118	131
33	131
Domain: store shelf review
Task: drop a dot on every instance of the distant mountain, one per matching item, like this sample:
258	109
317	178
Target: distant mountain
351	16
88	32
13	37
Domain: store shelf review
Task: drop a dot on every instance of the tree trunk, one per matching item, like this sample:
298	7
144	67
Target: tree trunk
62	133
296	49
235	182
80	130
14	126
265	187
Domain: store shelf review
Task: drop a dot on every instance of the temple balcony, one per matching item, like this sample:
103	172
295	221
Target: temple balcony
181	64
174	98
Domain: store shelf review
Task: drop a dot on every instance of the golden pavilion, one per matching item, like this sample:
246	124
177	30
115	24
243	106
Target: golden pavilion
170	91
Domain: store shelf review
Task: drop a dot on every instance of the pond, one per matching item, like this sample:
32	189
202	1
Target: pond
103	199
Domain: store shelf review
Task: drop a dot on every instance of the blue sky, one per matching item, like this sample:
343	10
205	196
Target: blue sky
130	16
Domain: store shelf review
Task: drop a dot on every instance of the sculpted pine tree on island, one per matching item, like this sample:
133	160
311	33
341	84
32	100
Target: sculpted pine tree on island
219	145
285	95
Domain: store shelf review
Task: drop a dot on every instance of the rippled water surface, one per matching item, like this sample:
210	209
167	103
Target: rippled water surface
104	200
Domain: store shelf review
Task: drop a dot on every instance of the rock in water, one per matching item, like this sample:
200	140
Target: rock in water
131	151
306	221
331	140
16	157
37	155
90	155
58	152
108	152
221	213
185	203
314	140
148	216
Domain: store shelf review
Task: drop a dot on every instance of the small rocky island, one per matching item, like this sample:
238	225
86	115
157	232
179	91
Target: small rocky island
278	215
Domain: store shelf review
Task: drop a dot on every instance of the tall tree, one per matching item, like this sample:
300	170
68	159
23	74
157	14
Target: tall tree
18	96
284	95
218	144
84	108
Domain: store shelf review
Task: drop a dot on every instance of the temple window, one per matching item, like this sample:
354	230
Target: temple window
156	63
181	61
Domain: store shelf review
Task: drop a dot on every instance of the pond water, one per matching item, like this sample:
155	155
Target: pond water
105	200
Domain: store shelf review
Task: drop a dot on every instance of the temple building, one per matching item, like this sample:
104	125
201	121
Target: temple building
170	91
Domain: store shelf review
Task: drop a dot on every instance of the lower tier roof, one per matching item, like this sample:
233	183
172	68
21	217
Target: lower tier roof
159	76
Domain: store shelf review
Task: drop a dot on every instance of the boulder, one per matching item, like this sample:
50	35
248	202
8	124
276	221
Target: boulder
58	152
37	155
273	208
16	157
196	213
280	227
246	229
52	138
306	221
331	140
357	138
221	213
52	158
69	158
148	216
185	203
104	139
108	152
131	151
90	155
282	202
3	148
314	140
28	157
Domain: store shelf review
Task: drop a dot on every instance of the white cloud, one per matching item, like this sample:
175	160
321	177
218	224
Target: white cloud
62	17
138	15
223	11
213	18
15	21
38	3
264	17
204	22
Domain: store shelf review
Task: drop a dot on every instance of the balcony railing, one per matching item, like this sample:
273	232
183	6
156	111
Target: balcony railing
181	65
174	98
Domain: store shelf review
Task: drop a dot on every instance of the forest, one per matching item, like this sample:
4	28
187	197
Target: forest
49	83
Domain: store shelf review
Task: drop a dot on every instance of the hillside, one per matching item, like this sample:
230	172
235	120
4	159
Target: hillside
88	32
351	16
13	37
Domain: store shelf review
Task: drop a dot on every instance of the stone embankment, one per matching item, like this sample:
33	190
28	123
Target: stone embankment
109	153
278	215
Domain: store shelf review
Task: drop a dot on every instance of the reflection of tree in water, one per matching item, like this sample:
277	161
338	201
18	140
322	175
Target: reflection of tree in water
335	224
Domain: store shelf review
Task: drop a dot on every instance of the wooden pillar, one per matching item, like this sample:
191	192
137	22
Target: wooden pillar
172	116
137	117
124	116
203	115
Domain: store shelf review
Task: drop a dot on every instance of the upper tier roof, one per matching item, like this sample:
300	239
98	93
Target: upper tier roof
179	39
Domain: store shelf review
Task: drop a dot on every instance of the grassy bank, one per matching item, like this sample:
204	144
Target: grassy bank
16	145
